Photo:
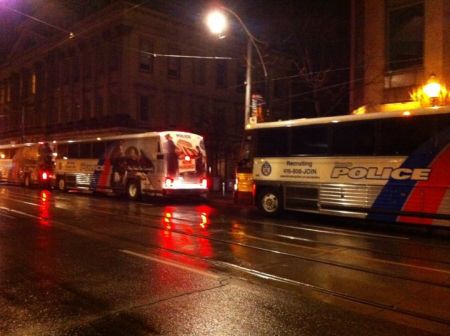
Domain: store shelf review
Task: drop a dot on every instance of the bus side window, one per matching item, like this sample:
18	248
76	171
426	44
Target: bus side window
85	150
354	138
73	151
272	143
62	151
395	135
9	153
159	155
12	153
98	150
310	140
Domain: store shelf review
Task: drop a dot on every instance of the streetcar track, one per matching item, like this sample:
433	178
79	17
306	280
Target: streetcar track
349	247
305	258
334	232
262	275
297	238
432	269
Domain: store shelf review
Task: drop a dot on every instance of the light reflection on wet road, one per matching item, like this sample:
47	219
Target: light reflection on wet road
82	265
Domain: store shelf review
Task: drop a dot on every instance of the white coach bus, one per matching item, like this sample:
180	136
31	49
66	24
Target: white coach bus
390	166
152	163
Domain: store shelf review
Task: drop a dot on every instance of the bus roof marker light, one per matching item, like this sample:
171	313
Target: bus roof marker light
99	139
334	121
406	113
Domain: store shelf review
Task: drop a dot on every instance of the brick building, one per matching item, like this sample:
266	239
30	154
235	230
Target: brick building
103	79
397	46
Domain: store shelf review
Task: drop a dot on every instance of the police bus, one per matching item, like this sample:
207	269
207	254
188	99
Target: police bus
152	163
28	164
390	166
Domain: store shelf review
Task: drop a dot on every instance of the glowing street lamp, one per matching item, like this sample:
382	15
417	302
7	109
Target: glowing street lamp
217	23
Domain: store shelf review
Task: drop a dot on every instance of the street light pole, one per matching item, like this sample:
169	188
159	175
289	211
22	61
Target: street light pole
248	83
217	24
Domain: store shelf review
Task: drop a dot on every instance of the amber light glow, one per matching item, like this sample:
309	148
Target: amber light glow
432	93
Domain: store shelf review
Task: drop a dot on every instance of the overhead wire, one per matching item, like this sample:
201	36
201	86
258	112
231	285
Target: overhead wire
72	35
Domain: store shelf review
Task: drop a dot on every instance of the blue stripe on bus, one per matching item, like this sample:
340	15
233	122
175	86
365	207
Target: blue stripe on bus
396	192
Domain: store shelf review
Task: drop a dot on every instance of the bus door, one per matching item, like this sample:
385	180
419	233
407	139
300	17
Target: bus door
243	188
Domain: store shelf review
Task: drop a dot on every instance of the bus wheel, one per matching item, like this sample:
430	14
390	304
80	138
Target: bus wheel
61	184
269	201
27	181
133	190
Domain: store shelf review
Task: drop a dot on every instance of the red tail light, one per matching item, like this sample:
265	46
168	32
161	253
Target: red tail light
44	176
168	182
204	183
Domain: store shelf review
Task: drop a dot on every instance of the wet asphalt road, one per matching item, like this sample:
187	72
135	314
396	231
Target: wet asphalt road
74	264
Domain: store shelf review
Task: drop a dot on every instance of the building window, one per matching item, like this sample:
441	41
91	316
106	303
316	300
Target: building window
114	57
86	108
199	71
113	104
99	106
76	110
173	110
33	83
146	57
54	75
405	35
38	82
221	74
87	66
8	91
144	108
66	71
199	114
174	64
75	69
99	62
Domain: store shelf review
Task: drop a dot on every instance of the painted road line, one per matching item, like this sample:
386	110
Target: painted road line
173	264
18	212
6	215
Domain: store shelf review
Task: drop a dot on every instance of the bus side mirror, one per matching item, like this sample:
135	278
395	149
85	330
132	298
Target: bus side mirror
160	156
